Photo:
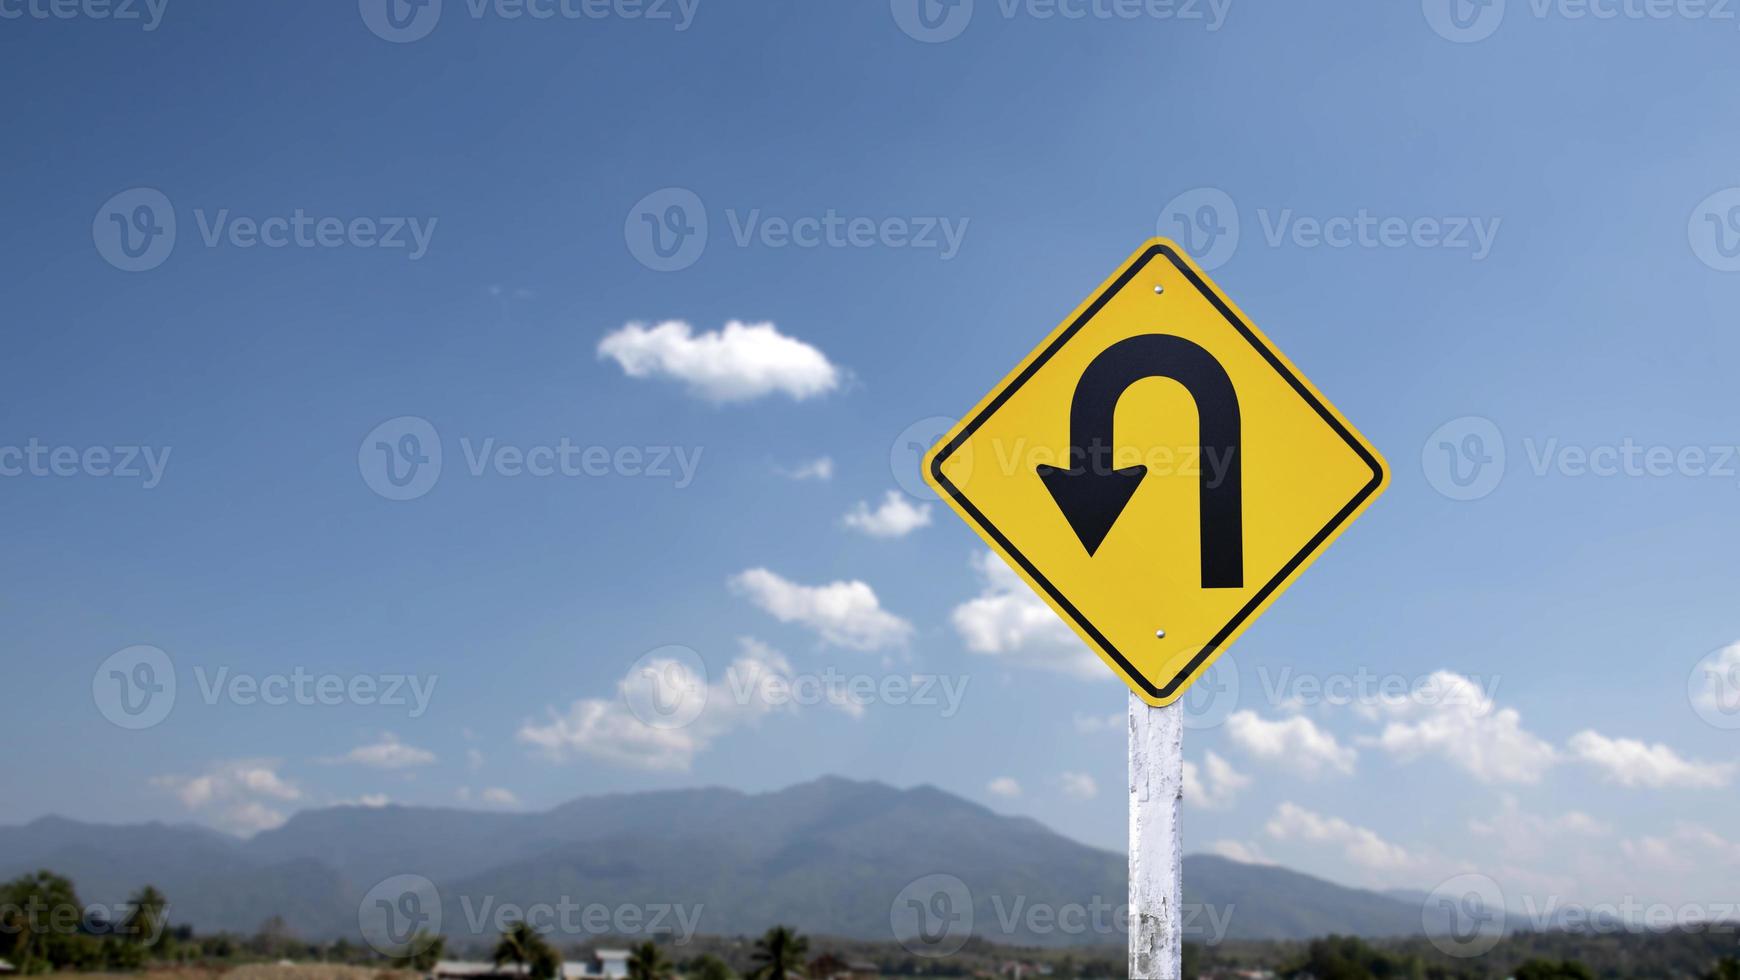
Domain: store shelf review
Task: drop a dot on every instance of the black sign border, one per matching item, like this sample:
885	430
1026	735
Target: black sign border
1311	547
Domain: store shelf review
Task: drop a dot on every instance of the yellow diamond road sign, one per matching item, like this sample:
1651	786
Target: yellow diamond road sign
1157	472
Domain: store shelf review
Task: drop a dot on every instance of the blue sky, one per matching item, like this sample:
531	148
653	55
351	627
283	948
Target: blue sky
1556	277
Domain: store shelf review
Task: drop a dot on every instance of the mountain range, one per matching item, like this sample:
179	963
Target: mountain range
831	857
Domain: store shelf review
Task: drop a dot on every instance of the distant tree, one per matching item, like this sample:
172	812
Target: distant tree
522	946
779	954
341	951
1726	968
273	938
144	922
647	962
1549	970
40	917
421	953
1351	958
710	967
547	965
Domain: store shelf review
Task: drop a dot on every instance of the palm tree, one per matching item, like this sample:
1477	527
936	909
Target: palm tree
421	953
524	947
779	954
710	967
145	916
647	962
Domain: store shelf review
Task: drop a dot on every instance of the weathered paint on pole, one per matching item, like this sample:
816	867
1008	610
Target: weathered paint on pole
1156	842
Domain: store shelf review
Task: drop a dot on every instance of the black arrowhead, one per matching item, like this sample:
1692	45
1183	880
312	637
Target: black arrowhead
1091	499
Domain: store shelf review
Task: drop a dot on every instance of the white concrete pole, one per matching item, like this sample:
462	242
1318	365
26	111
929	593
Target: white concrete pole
1156	842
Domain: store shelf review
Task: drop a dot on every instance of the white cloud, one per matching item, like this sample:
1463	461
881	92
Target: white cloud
1359	845
1008	620
609	730
1633	764
821	469
1526	836
1079	785
895	518
1214	785
1688	848
373	801
1295	742
1095	724
252	817
387	753
1244	852
473	759
492	795
846	614
236	792
1451	717
1004	786
744	361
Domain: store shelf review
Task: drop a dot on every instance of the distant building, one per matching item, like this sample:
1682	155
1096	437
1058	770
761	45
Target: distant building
605	964
611	963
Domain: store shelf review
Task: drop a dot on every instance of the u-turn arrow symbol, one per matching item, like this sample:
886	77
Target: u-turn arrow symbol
1092	494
